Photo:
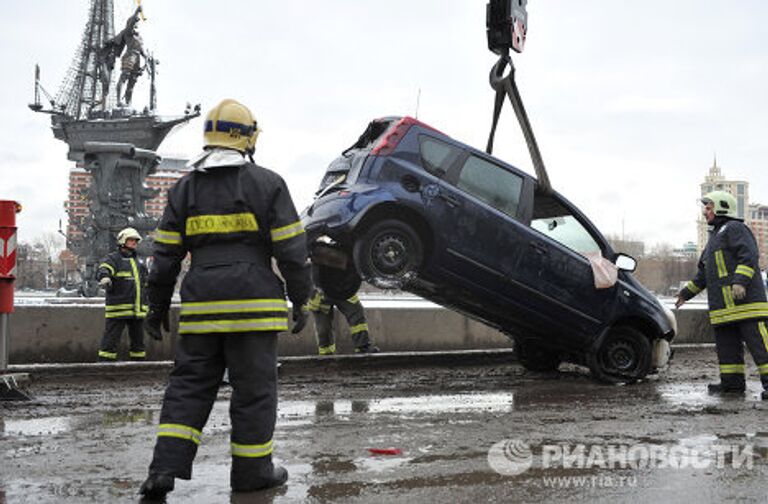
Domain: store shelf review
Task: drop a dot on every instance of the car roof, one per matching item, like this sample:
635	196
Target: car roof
548	203
473	150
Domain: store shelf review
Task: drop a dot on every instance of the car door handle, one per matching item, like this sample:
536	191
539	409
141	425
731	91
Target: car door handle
451	200
540	248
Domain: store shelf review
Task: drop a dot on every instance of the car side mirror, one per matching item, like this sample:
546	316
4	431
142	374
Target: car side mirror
625	262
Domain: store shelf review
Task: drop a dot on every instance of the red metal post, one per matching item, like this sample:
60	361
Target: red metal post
8	211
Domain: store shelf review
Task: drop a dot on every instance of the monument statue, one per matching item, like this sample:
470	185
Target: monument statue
113	142
130	64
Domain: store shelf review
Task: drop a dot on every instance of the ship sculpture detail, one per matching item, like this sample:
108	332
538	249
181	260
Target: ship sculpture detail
92	113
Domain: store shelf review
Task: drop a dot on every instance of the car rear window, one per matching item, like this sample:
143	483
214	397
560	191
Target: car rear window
437	156
492	184
372	133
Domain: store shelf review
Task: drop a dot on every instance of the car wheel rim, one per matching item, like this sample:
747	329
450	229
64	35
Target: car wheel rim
390	254
621	356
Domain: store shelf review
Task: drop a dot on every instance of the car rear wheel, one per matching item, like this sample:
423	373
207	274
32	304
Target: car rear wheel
624	356
534	357
389	254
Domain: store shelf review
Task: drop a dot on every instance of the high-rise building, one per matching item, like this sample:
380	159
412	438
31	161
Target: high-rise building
168	172
759	224
754	215
716	181
76	204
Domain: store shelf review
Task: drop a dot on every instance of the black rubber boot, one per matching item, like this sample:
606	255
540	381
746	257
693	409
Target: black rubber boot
278	477
156	486
367	349
764	395
719	389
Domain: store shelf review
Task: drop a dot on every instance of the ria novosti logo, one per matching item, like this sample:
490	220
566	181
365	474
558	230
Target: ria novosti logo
510	457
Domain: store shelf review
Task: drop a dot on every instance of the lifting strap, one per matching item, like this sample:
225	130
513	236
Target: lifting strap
505	86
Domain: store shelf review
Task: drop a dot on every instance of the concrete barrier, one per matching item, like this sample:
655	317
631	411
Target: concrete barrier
60	333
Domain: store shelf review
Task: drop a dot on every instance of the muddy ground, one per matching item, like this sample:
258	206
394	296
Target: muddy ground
88	436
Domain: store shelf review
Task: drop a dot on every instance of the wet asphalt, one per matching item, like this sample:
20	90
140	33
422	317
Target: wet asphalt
462	428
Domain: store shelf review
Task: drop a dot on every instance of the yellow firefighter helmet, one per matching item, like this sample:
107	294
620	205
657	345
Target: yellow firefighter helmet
230	124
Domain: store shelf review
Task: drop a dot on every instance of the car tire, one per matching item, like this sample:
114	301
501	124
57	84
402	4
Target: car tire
388	254
534	357
623	356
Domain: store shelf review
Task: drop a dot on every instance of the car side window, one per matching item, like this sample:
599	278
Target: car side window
565	229
437	156
492	184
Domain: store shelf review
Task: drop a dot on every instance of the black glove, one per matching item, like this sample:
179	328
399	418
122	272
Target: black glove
156	318
299	318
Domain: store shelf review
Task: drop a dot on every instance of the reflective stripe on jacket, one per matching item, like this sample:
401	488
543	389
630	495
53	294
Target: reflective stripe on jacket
730	257
232	220
127	297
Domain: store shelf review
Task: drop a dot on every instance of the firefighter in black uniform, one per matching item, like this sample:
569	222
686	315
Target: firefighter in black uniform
122	276
738	310
233	217
322	307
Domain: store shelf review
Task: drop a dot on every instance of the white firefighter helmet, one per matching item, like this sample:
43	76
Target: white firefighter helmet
724	203
127	233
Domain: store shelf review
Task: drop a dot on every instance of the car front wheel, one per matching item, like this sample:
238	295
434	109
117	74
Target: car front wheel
388	254
624	356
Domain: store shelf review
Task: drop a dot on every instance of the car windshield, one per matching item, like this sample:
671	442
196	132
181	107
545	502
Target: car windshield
552	218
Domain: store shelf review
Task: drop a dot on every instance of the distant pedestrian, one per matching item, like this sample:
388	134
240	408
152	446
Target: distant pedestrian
738	310
122	276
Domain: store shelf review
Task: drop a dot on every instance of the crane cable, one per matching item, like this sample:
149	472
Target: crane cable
506	86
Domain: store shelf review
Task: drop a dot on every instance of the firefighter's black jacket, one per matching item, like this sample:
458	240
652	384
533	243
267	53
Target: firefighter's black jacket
232	220
127	297
730	257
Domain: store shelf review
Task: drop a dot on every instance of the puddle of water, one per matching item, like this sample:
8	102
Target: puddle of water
381	463
297	412
687	394
38	426
309	480
298	481
690	394
456	403
290	413
49	426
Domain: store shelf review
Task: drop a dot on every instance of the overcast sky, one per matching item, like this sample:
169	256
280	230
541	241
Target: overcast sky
629	100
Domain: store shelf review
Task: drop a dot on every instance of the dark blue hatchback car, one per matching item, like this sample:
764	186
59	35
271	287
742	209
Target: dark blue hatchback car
407	207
